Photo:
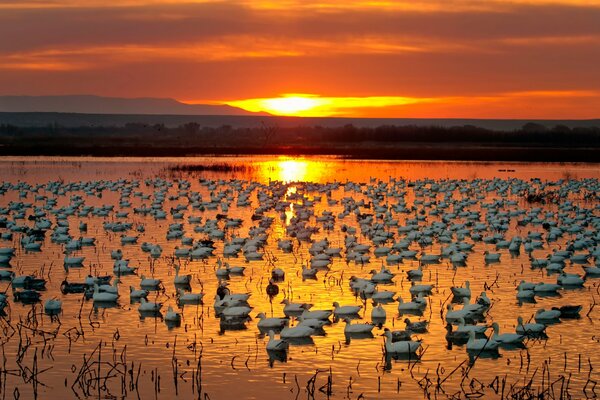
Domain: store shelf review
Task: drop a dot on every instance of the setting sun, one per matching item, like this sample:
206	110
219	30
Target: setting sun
311	105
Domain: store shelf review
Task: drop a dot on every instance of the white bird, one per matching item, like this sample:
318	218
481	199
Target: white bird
506	338
103	297
378	313
189	298
52	306
181	279
172	316
543	315
149	283
148	306
481	344
357	328
530	329
316	314
299	331
137	293
276	344
236	312
401	347
462	291
345	310
277	323
294	308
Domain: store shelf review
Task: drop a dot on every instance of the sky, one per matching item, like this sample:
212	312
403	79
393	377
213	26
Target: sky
420	59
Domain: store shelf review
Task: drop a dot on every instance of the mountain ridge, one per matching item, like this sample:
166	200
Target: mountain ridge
92	104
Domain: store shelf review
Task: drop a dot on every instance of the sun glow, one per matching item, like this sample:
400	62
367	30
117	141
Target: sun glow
310	105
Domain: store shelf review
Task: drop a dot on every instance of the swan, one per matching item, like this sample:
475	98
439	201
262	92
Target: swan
344	310
276	344
400	347
481	344
506	338
277	323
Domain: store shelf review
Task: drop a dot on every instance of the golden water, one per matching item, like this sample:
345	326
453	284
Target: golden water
235	363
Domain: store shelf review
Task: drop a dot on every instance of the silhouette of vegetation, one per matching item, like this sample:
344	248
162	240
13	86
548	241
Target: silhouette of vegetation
467	141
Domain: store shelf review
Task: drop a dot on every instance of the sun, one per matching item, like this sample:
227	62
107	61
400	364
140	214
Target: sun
291	104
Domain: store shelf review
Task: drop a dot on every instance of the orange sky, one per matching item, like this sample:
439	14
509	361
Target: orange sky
439	58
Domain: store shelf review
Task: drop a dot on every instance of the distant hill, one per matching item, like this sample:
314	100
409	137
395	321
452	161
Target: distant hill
89	104
40	119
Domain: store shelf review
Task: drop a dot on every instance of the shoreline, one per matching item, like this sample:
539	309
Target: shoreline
450	152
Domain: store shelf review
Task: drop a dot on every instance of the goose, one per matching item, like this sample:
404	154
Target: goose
309	273
272	288
357	328
415	273
6	275
383	276
114	288
523	294
313	323
277	274
149	283
316	314
294	308
543	315
277	323
181	279
276	344
344	310
569	280
416	289
414	306
52	306
103	297
236	312
463	328
189	298
382	296
481	344
546	287
399	347
147	306
137	293
417	327
530	329
484	300
122	267
492	257
462	291
299	331
172	316
591	271
453	316
378	313
506	338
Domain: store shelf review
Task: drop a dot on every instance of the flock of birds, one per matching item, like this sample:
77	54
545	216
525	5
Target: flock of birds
384	224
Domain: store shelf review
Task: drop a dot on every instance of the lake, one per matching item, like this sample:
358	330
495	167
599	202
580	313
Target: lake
112	351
